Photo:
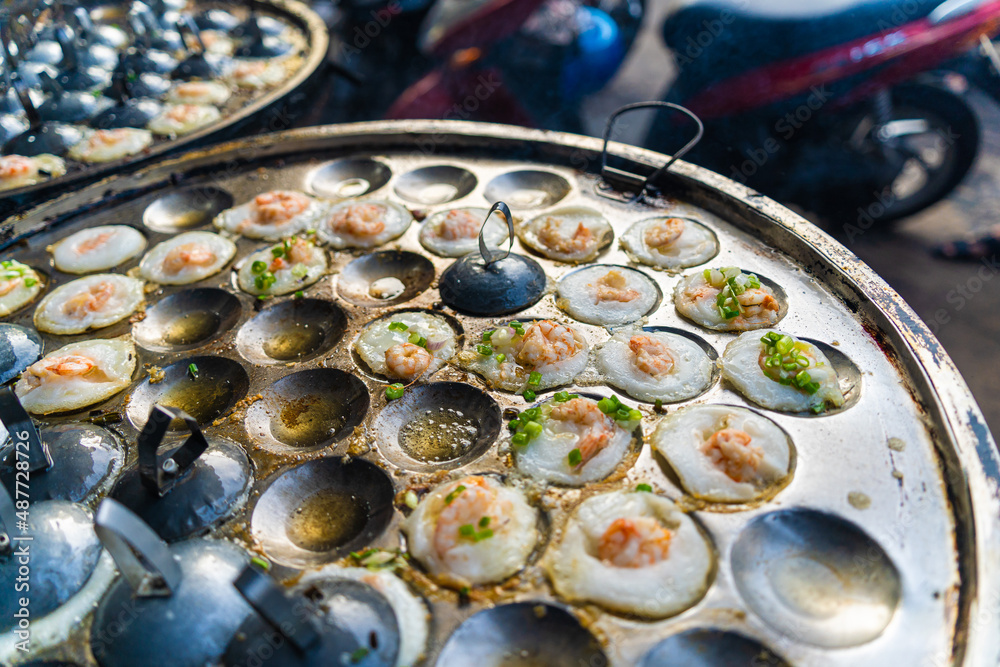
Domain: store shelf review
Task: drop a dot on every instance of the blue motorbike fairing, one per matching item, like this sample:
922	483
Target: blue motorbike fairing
715	40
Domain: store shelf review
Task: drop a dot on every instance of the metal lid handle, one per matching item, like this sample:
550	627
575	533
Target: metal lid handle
141	556
285	614
618	178
21	429
492	256
160	476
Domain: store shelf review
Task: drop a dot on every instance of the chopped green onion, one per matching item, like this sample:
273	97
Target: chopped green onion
811	388
501	358
359	655
485	521
484	350
467	530
193	371
533	429
531	413
753	282
414	338
785	345
484	534
634	416
708	275
30	282
819	408
486	335
300	271
258	267
658	406
528	395
535	379
454	494
260	562
278	252
622	414
608	405
464	591
298	294
263	297
575	457
397	326
644	487
519	439
394	391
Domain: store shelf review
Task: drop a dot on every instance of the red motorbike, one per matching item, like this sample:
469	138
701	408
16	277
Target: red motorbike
848	107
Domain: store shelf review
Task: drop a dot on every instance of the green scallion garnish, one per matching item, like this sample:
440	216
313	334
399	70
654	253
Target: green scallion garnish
394	391
644	487
575	458
397	326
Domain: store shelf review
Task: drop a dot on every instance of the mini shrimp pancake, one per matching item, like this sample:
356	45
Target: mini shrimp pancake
411	611
406	345
655	365
97	248
256	74
578	443
455	233
780	372
178	119
571	235
707	298
198	92
107	145
632	553
187	258
363	224
88	303
724	454
472	531
282	268
19	285
607	295
17	171
670	243
77	375
509	355
216	42
271	216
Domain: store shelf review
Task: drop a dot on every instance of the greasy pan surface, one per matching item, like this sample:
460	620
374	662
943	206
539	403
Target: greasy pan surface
878	551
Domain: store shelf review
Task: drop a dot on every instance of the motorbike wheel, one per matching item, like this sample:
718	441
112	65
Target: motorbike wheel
929	159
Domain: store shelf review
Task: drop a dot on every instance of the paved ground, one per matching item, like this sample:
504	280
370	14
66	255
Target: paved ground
960	300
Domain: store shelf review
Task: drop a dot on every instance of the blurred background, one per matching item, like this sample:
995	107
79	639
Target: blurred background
877	120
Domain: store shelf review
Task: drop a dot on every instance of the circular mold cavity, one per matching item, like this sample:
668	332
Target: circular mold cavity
527	189
291	331
611	313
186	209
816	577
204	387
435	185
437	426
385	278
308	410
322	510
348	178
710	648
525	633
186	320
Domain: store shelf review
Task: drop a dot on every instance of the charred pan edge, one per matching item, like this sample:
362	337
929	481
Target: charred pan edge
971	464
318	42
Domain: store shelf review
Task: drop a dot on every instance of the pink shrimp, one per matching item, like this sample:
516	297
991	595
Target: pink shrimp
89	301
634	543
732	451
278	206
299	252
459	224
551	235
188	254
16	166
407	361
651	356
613	286
546	342
364	220
598	427
93	243
663	233
468	506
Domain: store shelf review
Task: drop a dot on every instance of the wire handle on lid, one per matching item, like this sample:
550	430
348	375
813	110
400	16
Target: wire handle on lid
492	256
614	179
160	476
141	556
21	429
